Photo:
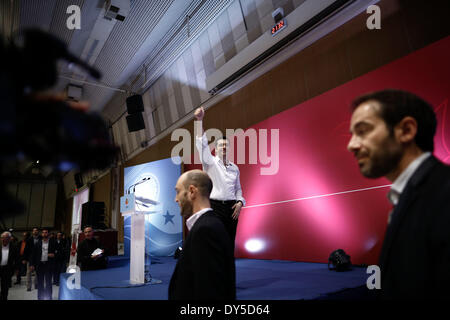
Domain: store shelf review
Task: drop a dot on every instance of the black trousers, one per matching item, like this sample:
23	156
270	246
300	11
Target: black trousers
22	270
59	267
224	210
44	272
5	278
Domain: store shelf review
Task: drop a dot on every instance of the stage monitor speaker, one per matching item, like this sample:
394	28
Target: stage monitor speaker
78	180
135	122
93	214
135	104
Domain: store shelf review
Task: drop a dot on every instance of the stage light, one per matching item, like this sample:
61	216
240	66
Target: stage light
370	243
178	252
255	245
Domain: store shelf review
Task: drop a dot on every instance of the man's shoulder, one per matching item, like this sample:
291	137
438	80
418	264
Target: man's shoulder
432	183
439	173
208	220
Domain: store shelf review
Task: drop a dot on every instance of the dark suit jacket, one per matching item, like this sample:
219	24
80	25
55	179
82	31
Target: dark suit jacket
13	256
29	248
37	252
84	253
60	250
415	258
205	269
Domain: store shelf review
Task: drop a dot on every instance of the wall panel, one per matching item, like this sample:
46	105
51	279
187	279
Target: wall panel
49	205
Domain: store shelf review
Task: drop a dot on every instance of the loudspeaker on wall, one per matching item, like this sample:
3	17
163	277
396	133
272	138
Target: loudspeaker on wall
93	214
135	122
135	104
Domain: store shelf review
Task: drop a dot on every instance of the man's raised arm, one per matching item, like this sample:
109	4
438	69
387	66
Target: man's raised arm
201	142
199	114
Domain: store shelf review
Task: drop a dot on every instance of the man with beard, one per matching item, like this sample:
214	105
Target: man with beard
205	269
42	260
392	136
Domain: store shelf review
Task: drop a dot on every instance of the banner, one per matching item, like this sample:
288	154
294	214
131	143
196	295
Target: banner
155	194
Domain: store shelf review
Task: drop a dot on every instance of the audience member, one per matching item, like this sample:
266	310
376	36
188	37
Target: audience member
43	262
9	260
60	258
87	256
21	269
32	241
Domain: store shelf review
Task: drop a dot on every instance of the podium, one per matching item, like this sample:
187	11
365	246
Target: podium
130	205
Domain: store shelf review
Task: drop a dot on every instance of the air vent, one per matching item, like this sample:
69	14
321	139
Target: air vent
117	9
74	92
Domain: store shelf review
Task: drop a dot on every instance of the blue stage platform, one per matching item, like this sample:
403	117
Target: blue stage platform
255	280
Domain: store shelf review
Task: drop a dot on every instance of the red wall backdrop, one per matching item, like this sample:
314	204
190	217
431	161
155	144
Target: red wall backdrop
318	201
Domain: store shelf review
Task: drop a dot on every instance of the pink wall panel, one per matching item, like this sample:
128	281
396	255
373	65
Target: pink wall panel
318	201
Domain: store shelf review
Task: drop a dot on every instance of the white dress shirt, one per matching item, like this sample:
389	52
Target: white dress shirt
400	183
225	177
192	219
44	256
5	254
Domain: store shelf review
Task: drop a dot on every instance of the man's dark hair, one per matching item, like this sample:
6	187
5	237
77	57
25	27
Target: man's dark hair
397	104
201	181
223	138
48	229
35	228
87	226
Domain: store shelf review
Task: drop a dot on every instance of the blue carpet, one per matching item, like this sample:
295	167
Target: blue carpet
255	280
291	280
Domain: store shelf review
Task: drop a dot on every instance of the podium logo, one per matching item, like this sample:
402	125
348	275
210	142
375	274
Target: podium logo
74	280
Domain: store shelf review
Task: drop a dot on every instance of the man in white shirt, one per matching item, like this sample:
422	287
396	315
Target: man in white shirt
9	260
205	270
226	195
43	262
393	136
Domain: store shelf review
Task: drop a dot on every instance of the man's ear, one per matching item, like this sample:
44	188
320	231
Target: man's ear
406	130
192	191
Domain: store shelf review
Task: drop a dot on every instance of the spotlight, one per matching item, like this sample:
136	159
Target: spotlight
177	253
72	269
255	245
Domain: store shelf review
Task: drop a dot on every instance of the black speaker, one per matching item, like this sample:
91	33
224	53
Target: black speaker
93	214
79	180
135	104
135	122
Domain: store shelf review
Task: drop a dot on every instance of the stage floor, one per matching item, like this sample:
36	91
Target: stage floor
255	280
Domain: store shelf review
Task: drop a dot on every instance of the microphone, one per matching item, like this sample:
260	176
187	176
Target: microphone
137	183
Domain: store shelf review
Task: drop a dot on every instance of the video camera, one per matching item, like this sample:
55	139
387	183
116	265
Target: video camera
40	127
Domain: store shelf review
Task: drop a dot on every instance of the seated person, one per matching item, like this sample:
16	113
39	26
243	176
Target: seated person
86	257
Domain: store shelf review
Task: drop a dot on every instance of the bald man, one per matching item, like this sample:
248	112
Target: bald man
205	269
